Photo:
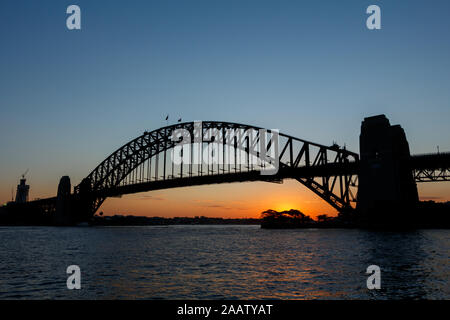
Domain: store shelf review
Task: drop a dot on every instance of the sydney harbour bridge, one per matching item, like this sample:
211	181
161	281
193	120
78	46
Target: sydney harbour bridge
382	178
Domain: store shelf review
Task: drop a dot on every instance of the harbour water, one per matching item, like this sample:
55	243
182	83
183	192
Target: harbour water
222	262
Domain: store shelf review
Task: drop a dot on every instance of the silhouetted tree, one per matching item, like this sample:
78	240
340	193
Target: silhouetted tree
271	214
323	218
294	214
291	214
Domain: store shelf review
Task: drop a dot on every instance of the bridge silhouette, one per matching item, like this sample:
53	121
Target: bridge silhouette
212	152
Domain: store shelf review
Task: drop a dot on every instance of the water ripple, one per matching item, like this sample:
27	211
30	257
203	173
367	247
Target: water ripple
221	262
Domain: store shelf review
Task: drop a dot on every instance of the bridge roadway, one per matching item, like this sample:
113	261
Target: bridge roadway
284	172
430	161
431	167
439	161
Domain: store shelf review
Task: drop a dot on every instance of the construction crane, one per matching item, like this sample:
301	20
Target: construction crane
23	175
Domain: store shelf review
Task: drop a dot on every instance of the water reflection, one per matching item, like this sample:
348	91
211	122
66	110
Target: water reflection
222	262
401	258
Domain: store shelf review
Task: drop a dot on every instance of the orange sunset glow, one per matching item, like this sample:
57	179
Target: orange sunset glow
236	200
230	200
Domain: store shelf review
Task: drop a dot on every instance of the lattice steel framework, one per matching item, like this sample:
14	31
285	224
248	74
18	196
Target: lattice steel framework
431	175
431	167
329	171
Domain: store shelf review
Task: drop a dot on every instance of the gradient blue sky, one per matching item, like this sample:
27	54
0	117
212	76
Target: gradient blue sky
310	68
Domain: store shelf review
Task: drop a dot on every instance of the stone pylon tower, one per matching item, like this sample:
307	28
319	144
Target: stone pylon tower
63	214
387	192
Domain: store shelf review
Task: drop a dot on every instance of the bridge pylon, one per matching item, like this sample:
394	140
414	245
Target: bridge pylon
85	202
387	192
63	214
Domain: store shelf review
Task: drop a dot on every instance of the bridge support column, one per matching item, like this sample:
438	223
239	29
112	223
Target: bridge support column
387	192
84	201
63	214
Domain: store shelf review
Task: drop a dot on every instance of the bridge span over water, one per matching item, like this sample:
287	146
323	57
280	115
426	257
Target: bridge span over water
382	176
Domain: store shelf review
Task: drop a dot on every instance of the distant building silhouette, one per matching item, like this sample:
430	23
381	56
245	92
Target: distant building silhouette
22	191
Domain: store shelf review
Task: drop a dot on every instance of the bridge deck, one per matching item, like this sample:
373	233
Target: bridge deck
430	161
436	161
349	168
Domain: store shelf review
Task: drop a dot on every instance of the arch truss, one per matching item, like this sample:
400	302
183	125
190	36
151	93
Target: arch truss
195	153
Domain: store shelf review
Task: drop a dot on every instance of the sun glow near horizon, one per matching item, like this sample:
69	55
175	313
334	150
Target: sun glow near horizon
237	200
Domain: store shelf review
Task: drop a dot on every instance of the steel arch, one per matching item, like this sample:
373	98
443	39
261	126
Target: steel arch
294	153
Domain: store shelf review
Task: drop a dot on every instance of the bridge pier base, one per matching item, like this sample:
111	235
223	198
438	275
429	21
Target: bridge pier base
72	208
84	202
63	215
387	192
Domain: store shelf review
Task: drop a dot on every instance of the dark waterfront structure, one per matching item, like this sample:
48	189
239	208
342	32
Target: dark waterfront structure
376	190
387	191
63	214
22	191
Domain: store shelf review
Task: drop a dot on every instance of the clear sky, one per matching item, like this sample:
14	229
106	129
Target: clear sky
309	68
